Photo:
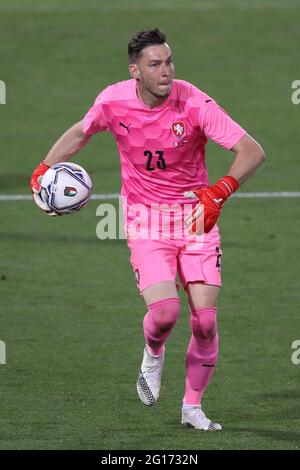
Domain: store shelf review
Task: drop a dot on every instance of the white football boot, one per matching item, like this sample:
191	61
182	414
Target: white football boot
149	378
194	417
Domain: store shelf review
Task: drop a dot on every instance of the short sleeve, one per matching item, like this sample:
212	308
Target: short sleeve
218	126
94	121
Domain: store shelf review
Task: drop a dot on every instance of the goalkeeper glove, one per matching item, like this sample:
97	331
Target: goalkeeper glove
207	211
35	186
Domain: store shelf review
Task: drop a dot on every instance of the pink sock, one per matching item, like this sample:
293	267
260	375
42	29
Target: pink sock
202	354
158	323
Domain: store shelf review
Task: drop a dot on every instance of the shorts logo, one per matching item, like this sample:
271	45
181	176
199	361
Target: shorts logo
218	262
178	129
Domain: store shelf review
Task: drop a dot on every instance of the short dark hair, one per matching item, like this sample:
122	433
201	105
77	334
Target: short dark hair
144	39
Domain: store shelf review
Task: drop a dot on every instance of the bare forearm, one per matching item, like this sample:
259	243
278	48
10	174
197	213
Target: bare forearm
67	145
243	166
249	156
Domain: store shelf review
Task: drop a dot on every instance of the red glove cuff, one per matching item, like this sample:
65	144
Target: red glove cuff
43	167
224	188
39	171
230	183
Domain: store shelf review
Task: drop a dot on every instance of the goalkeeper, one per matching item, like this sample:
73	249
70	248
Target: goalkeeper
161	126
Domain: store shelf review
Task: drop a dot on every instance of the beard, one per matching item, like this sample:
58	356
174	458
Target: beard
160	93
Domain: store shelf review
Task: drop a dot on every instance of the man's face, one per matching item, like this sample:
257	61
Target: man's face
155	70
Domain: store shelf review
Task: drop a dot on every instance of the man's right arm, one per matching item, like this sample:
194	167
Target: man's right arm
67	145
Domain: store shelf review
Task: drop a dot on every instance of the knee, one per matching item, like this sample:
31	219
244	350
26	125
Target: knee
204	323
164	314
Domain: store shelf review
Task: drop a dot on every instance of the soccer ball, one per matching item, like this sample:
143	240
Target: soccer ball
66	188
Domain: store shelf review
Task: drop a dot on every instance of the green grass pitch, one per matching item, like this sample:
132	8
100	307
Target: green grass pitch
70	314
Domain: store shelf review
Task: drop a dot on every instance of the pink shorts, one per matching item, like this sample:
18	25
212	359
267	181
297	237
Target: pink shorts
154	261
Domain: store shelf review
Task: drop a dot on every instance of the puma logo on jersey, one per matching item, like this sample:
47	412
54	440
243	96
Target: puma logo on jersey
124	125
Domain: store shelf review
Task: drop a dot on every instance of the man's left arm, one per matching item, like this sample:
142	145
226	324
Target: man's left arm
249	156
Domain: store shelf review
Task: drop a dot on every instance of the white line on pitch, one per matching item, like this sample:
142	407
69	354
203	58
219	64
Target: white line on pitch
113	196
254	195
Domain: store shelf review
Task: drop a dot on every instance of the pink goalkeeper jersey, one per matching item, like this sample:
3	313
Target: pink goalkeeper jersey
162	150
